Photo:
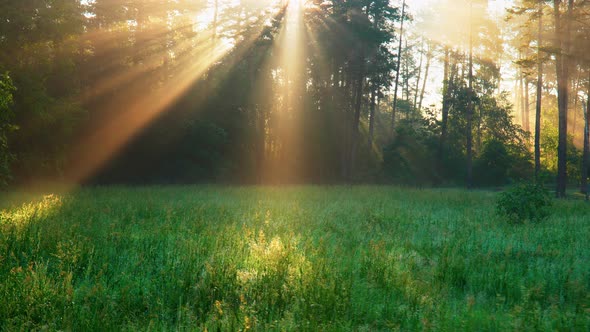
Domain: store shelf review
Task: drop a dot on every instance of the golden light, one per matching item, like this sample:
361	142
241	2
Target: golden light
39	208
448	21
290	42
137	99
284	158
138	109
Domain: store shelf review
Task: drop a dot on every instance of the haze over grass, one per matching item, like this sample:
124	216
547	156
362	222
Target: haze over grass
296	258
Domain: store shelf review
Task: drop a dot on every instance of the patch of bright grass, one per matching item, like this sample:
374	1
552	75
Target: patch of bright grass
288	259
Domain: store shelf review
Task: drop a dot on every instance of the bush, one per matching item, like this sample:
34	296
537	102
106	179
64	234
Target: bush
524	202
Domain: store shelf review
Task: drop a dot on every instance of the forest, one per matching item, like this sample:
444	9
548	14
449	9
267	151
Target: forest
443	93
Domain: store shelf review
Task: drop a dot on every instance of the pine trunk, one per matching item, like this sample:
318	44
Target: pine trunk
469	132
397	69
520	95
539	96
562	98
584	170
527	127
372	116
574	94
426	70
356	121
586	155
418	78
445	108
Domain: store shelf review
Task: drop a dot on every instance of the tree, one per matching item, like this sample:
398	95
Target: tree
539	94
429	55
6	126
397	70
586	150
529	12
563	63
42	51
469	131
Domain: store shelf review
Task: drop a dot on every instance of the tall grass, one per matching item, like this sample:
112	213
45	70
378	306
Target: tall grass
288	259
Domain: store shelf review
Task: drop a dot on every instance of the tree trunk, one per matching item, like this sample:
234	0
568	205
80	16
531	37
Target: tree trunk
478	146
586	154
260	145
426	70
419	77
574	95
469	132
372	116
584	170
348	93
562	95
539	95
520	94
527	127
399	57
587	140
445	107
406	82
374	92
356	119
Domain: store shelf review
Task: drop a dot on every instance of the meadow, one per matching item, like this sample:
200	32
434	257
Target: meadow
288	259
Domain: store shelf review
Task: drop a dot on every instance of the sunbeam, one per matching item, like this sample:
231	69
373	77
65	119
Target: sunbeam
291	77
138	100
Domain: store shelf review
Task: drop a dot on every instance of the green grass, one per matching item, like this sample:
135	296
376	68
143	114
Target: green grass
288	259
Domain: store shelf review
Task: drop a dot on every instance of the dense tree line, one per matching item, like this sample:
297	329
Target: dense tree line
126	91
553	47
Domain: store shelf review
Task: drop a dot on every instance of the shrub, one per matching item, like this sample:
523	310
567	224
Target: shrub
524	202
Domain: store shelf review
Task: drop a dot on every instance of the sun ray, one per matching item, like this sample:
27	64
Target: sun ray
140	102
290	78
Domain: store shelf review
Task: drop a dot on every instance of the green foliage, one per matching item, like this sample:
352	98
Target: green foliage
504	154
42	49
409	158
491	166
81	67
524	202
202	152
573	161
90	64
287	259
497	122
549	143
499	164
6	126
415	155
